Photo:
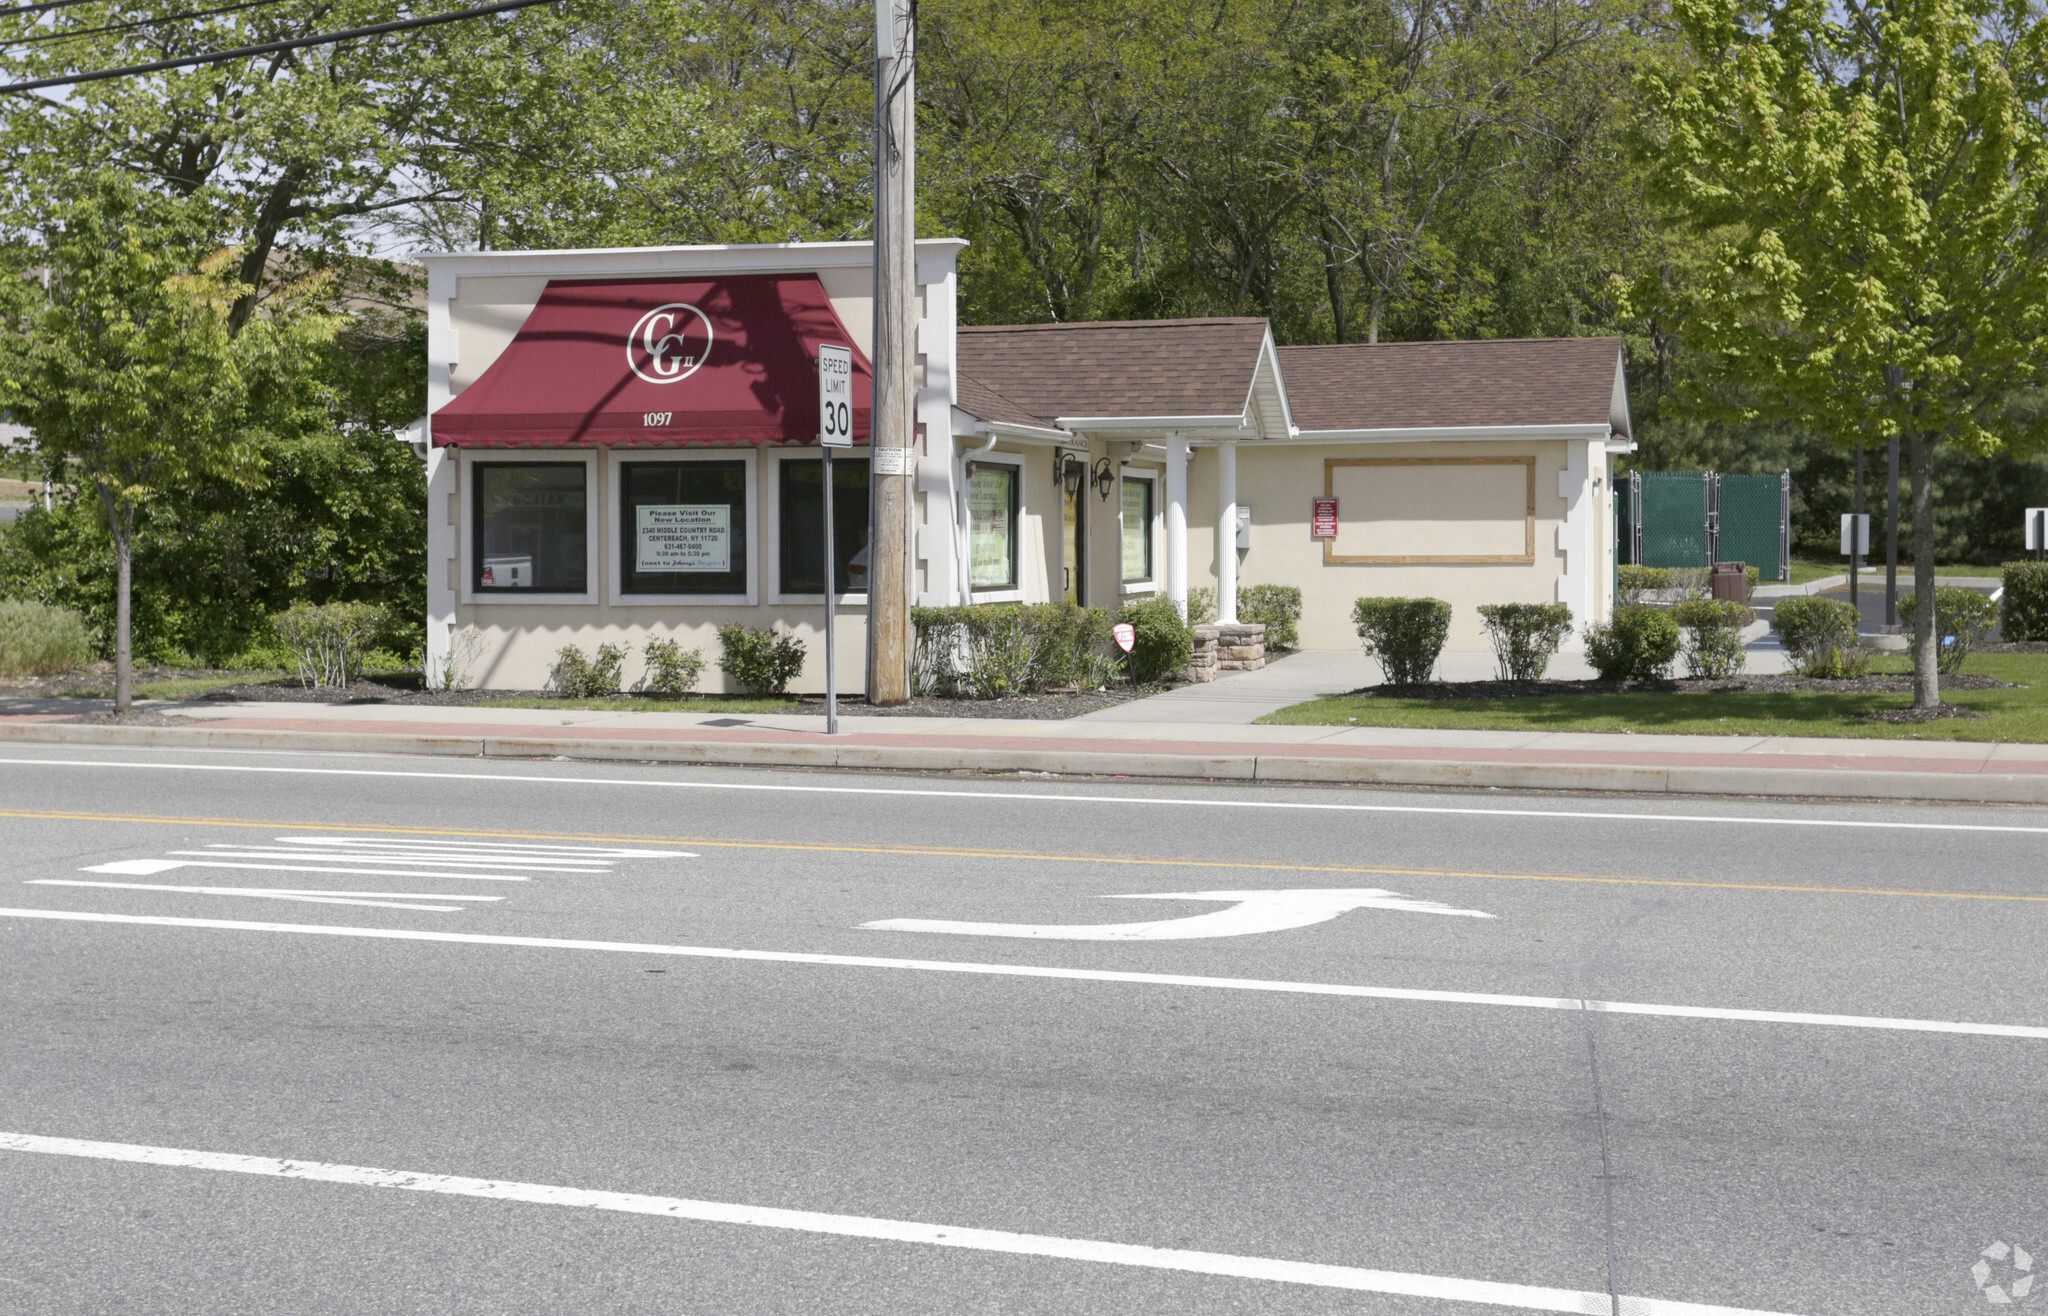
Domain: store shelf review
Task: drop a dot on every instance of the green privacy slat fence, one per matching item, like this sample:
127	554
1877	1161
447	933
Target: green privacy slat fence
1674	510
1753	527
1698	518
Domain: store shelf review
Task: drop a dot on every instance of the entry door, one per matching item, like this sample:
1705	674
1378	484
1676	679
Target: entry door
1074	543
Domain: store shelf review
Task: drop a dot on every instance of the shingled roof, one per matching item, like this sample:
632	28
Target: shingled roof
1474	384
1111	367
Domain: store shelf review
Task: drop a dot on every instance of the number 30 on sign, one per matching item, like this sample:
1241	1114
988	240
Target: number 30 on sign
835	396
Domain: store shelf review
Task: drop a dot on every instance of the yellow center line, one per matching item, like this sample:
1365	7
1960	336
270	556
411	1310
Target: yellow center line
954	852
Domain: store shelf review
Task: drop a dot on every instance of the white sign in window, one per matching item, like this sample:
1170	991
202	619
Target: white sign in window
683	537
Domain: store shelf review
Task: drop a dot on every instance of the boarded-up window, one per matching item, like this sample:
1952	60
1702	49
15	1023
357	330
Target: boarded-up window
1432	509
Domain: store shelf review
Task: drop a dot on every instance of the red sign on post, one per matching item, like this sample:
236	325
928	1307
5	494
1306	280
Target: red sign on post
1322	521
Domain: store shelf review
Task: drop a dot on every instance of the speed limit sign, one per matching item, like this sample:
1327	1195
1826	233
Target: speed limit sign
835	396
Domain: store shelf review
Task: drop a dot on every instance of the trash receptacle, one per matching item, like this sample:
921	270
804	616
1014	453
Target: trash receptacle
1731	581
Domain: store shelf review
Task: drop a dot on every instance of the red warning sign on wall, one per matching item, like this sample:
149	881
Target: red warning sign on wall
1322	520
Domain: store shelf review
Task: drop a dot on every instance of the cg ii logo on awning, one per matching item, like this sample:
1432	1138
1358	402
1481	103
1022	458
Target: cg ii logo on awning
669	343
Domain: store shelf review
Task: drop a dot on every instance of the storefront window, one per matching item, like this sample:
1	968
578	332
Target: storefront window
992	526
531	532
1137	529
803	522
683	527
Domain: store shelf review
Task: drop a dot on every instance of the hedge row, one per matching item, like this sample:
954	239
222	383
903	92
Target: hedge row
1638	643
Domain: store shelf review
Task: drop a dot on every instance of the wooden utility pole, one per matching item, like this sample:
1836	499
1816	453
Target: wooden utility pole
890	574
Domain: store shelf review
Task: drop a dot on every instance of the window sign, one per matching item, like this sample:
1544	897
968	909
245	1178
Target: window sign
1137	529
682	527
684	538
530	528
992	527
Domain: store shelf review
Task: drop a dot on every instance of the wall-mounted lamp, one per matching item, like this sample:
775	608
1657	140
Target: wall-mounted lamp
1104	478
1068	473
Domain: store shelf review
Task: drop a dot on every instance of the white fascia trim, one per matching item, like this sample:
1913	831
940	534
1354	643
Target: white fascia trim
1236	424
1269	357
968	426
1456	434
762	257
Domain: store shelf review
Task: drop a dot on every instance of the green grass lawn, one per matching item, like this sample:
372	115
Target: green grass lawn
2016	714
180	687
687	704
1802	572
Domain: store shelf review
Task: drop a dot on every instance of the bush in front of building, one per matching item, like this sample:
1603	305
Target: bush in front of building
671	670
329	641
39	639
995	650
1406	635
1165	641
761	662
1524	636
1637	644
2023	611
1962	617
1712	640
577	675
1820	634
1277	608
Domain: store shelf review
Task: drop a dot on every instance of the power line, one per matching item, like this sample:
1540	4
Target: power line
270	47
43	6
68	34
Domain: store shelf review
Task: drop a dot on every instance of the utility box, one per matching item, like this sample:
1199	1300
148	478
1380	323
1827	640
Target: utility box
1731	581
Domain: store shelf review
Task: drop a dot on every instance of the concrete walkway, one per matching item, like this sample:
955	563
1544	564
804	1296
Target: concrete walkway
1208	735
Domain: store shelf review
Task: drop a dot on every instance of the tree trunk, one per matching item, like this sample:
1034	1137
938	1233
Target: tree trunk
124	652
1926	642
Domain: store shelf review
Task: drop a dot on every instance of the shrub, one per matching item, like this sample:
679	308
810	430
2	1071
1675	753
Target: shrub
1818	633
992	650
465	643
1277	608
1961	618
671	669
1165	641
2023	612
329	641
1069	645
1637	645
37	639
575	676
761	662
1525	635
1634	582
1406	635
1201	606
1713	635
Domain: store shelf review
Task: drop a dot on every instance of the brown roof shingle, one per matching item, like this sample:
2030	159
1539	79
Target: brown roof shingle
1503	381
1113	367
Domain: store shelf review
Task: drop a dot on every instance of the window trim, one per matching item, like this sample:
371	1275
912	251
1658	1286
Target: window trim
772	529
998	593
750	542
465	498
1153	477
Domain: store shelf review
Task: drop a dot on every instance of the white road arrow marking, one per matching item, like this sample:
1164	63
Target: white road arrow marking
373	899
1250	911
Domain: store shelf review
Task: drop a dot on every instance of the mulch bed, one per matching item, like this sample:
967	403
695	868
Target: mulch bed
1052	705
1775	684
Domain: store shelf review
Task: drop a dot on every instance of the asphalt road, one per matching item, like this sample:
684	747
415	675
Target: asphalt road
591	1113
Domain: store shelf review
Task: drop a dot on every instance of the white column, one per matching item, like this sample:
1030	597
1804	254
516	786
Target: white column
1177	521
1226	531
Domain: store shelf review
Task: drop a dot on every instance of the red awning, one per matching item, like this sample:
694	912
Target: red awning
659	363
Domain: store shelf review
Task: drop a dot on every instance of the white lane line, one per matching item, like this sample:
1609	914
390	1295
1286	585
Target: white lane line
1485	1292
142	866
372	899
1052	798
567	853
1078	975
385	857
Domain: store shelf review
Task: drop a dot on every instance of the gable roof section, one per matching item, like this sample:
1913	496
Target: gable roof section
1111	368
1479	384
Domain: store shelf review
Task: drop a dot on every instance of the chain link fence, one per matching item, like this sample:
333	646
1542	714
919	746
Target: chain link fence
1698	518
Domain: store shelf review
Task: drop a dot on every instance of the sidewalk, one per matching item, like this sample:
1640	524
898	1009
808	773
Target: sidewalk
1194	732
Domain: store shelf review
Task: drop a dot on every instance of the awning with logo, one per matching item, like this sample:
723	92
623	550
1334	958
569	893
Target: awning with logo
659	363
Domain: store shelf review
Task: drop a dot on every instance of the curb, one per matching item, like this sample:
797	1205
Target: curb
1646	779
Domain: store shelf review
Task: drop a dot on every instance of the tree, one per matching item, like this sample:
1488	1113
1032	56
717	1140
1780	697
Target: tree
1874	183
121	357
